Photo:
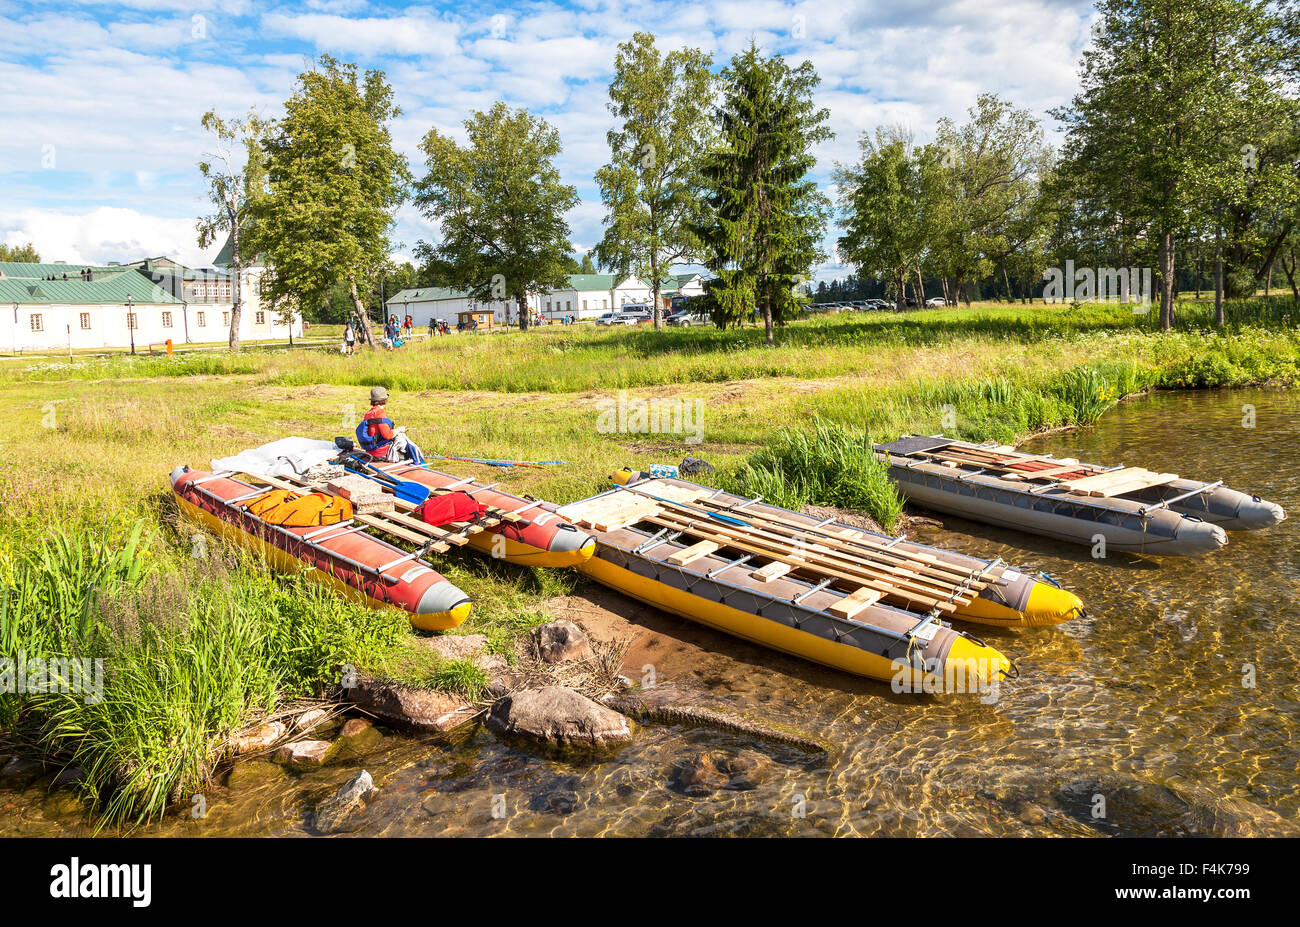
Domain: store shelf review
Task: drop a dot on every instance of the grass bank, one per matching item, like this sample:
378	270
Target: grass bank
93	563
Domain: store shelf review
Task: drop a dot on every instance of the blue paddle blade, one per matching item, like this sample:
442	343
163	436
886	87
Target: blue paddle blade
414	493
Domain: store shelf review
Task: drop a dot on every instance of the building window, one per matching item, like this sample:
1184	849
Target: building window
568	304
130	320
167	320
85	320
261	318
38	324
202	323
548	305
584	304
225	319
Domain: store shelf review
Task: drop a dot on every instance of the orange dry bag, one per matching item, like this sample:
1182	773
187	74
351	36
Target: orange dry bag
294	510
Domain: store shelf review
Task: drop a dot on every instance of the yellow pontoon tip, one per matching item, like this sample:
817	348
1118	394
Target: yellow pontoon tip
443	621
972	666
1050	604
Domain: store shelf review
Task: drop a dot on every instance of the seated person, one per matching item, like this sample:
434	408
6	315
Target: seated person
377	436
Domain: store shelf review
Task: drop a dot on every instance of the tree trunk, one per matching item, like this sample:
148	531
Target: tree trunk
1007	282
920	289
362	318
902	289
658	312
237	302
1166	259
522	302
1218	289
1290	270
767	317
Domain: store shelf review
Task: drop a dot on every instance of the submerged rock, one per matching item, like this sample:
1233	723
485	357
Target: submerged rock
416	709
253	773
560	716
357	738
335	812
68	775
258	738
712	770
20	771
303	754
562	641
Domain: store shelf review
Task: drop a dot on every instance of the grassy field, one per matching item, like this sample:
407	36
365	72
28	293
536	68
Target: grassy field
92	560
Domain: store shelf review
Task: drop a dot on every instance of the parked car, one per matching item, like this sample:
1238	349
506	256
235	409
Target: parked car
623	318
936	301
685	318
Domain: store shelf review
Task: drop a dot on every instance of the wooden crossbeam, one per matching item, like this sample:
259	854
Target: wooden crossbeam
854	602
694	552
773	571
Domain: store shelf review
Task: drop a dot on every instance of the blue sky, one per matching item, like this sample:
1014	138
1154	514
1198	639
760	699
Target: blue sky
100	102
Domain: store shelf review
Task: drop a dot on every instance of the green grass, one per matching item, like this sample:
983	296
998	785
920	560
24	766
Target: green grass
94	563
827	465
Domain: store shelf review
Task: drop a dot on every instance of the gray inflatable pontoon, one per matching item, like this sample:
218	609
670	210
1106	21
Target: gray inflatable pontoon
1133	509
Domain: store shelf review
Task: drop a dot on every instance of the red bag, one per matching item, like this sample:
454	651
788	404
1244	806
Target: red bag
452	506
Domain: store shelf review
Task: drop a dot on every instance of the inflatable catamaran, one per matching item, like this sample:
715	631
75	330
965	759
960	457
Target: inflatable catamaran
1134	509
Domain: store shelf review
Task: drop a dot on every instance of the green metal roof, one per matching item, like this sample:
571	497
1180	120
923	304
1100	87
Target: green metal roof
108	290
425	293
592	282
28	271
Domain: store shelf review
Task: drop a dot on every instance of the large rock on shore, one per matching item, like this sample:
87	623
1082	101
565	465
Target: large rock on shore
562	641
335	812
414	709
559	716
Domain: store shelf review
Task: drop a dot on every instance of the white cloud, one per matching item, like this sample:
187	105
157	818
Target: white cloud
104	234
419	34
119	93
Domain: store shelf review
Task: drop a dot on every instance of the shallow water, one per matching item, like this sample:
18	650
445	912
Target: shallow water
1132	721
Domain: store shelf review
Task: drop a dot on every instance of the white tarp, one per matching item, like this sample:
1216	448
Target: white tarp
285	457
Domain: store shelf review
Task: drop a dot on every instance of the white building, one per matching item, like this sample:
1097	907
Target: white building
444	304
586	296
54	306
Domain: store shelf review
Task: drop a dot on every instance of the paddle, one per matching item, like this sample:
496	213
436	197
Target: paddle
407	491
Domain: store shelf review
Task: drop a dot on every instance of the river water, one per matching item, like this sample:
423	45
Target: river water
1172	708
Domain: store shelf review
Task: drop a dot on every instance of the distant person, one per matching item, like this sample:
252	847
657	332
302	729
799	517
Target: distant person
432	326
408	326
379	438
349	338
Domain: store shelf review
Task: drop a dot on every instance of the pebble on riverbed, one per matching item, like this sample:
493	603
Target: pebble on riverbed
259	738
303	754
